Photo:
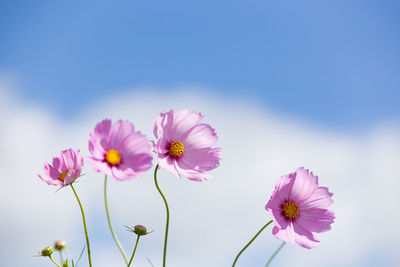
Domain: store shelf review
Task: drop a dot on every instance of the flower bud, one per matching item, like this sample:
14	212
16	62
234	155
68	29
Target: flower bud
47	251
65	264
60	245
140	230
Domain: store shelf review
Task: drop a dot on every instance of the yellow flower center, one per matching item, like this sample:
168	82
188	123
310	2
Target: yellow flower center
113	157
176	149
290	210
62	176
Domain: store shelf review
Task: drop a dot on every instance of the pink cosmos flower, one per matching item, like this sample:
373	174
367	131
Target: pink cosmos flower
184	145
65	169
119	151
299	208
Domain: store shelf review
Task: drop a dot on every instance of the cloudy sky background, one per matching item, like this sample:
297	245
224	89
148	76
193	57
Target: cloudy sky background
284	84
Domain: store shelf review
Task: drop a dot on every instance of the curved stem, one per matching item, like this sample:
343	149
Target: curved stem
133	253
84	225
54	261
166	206
275	253
109	222
248	244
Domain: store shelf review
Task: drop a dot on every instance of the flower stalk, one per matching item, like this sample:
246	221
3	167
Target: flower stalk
110	225
275	253
84	225
251	241
53	261
134	250
167	223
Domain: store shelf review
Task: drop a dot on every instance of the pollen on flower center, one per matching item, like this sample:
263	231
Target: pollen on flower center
290	210
62	175
176	149
113	157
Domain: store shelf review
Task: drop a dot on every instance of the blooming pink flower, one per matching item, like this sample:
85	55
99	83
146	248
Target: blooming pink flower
119	151
299	208
184	146
65	169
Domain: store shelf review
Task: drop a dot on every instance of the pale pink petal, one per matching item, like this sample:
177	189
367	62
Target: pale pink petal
202	159
305	183
304	237
275	202
50	181
167	163
285	185
137	162
199	136
286	234
183	120
119	131
316	220
188	172
136	143
321	198
120	174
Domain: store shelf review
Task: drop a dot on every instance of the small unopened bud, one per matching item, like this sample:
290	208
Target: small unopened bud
65	264
60	245
47	251
140	230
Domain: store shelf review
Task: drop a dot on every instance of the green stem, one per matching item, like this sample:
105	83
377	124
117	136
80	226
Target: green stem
53	261
84	225
133	254
109	222
166	206
61	257
275	253
248	244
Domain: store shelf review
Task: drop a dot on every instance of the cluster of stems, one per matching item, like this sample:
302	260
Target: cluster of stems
140	232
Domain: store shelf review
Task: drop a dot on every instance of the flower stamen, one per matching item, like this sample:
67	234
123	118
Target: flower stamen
113	157
62	175
176	149
290	210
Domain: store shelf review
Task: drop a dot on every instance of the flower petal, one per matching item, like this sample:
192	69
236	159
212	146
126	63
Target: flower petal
119	131
304	237
305	183
183	120
187	171
284	186
316	220
202	159
285	234
199	136
320	198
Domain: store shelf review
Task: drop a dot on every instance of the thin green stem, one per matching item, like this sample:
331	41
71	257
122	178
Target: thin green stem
84	225
61	257
133	253
251	241
109	223
54	261
275	253
166	206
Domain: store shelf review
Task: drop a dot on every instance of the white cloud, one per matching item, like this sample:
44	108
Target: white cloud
210	221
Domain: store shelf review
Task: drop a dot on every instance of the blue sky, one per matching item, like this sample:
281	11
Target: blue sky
333	62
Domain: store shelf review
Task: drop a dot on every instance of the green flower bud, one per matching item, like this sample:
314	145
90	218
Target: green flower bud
47	251
60	245
65	264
